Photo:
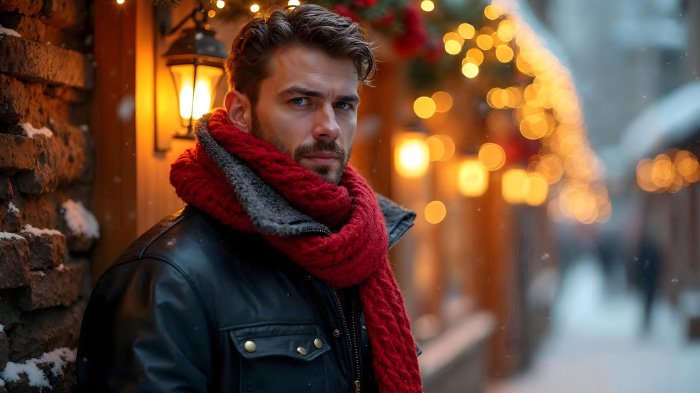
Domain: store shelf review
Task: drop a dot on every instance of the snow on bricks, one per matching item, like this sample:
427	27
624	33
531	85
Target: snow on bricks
11	218
22	103
35	62
83	228
52	287
60	160
47	247
14	261
53	370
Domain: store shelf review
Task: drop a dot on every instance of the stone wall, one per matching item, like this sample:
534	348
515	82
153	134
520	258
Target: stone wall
46	176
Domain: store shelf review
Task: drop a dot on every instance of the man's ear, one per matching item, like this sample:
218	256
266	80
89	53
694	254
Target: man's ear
239	110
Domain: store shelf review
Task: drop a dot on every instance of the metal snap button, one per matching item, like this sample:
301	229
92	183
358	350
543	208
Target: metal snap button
318	343
250	346
302	351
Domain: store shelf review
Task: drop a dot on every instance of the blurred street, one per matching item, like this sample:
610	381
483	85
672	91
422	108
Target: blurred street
596	344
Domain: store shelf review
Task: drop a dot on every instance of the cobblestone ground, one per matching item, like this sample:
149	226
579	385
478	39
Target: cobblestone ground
596	344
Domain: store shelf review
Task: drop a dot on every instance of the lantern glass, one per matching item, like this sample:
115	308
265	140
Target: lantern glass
196	86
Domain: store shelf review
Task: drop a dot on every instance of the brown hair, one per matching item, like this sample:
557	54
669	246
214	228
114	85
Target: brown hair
309	25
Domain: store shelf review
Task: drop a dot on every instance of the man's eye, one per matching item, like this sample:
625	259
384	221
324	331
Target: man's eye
300	101
343	105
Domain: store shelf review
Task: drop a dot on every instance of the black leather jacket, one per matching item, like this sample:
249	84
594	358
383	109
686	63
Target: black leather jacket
194	306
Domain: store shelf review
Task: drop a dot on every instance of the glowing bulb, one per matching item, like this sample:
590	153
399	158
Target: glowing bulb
453	47
120	1
515	183
466	30
427	5
293	3
492	12
492	156
504	53
435	212
443	101
412	157
474	56
424	107
473	178
211	13
484	42
254	8
470	70
220	4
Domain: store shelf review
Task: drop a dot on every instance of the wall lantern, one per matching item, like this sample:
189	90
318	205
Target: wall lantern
411	155
196	64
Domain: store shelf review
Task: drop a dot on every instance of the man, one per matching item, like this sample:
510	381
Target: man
274	278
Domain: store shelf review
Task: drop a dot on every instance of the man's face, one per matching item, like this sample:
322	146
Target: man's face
307	108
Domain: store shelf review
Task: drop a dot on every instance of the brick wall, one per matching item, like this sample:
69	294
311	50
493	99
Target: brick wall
46	176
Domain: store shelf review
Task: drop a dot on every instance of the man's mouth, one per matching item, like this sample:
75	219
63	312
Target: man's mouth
322	158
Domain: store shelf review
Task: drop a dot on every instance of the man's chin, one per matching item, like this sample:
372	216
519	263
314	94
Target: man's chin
327	173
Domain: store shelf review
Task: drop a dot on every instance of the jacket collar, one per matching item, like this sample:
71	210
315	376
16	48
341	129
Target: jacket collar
270	213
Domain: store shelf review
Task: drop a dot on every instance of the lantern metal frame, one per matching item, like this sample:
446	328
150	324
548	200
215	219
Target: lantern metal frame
196	47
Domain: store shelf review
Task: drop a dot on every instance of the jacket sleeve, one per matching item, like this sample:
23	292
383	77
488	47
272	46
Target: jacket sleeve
144	330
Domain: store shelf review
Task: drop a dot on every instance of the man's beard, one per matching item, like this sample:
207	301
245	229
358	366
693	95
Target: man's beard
323	171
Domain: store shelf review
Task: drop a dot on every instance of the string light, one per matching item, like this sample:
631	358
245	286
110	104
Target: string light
120	1
427	5
470	70
254	8
293	3
220	4
424	107
211	13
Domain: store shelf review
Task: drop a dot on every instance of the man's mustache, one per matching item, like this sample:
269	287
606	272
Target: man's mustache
318	147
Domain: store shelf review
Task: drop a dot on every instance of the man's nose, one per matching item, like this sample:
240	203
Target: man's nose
325	125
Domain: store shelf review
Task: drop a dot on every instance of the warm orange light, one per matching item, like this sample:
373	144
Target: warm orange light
254	8
449	146
551	167
427	5
506	31
206	79
453	47
412	156
120	1
687	166
470	70
443	101
436	147
211	13
466	30
474	56
492	156
220	4
484	41
514	183
435	212
293	3
536	190
504	53
662	171
537	126
424	107
473	178
492	12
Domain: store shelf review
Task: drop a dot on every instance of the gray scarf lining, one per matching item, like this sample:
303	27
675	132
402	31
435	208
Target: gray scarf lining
270	212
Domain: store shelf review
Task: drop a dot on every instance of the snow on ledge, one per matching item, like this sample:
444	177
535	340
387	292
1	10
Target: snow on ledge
31	132
38	232
11	208
80	220
58	358
6	31
8	235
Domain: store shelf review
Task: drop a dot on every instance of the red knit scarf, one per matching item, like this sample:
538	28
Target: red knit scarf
355	253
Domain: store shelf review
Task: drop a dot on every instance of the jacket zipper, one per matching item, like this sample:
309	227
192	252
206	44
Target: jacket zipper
353	341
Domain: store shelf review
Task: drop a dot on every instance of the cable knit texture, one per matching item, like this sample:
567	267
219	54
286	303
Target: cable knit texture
354	250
